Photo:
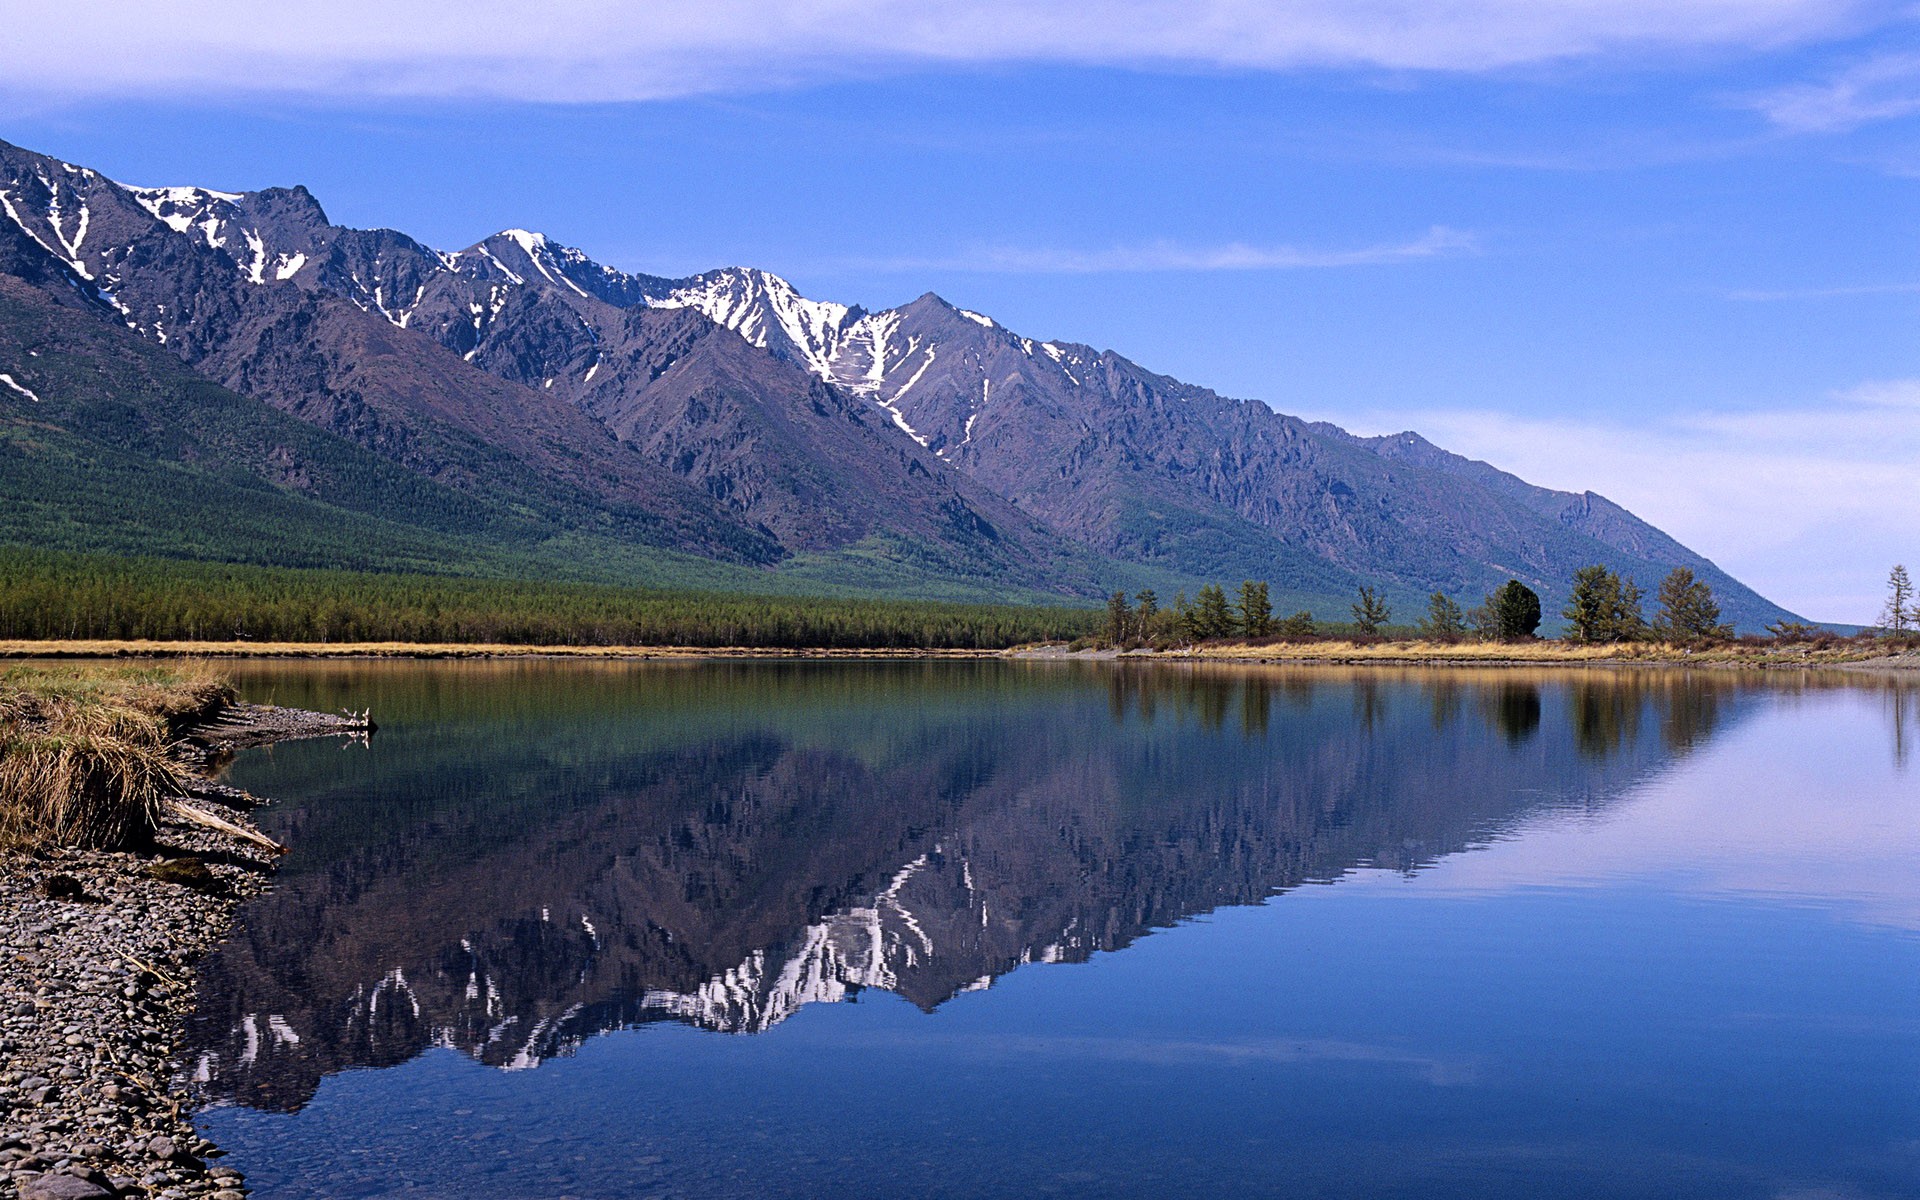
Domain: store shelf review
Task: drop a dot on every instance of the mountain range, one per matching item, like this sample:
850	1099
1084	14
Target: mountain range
230	375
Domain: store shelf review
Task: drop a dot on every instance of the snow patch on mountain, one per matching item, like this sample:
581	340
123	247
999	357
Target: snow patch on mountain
182	208
545	256
18	387
767	311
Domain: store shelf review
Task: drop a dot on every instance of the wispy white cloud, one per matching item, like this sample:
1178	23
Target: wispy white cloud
580	50
1437	242
1810	505
1882	88
1825	293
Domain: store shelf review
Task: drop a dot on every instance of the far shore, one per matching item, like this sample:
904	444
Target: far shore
1504	654
1341	653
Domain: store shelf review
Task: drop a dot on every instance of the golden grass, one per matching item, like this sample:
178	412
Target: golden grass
95	793
1539	652
84	749
1528	652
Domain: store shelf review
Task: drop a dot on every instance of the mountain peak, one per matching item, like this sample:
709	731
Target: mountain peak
294	206
183	208
527	239
769	312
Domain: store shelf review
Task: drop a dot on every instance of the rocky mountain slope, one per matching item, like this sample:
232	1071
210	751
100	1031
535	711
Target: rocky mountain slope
728	416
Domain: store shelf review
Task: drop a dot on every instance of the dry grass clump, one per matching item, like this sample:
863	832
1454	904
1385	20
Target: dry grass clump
84	751
95	793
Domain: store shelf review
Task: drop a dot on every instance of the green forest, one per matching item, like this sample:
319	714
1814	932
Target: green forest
51	594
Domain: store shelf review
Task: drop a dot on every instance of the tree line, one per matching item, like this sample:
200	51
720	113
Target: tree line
49	595
1602	607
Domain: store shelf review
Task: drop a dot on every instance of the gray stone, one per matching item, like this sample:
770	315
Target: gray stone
63	1187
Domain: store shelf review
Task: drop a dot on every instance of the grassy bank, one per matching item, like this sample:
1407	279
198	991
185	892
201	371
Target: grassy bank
84	749
1830	653
46	595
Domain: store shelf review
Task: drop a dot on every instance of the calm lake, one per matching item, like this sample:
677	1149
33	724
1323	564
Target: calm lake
1002	929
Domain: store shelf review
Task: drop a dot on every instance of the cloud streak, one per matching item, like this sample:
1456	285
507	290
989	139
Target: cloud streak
1810	505
1883	88
1438	242
1826	293
610	50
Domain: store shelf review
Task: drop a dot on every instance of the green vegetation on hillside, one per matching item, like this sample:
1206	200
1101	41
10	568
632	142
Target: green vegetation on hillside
46	594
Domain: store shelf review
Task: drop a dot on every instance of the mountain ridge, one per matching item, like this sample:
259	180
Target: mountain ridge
926	436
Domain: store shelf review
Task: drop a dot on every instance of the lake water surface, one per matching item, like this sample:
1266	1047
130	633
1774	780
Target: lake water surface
1048	929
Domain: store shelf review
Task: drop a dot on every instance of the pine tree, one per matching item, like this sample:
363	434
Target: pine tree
1370	612
1629	621
1212	617
1256	611
1298	627
1119	619
1899	614
1515	608
1445	622
1603	607
1688	611
1588	605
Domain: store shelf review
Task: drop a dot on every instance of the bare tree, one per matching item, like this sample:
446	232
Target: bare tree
1899	615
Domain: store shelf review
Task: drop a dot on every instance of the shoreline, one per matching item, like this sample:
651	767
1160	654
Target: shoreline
98	986
1331	653
1481	655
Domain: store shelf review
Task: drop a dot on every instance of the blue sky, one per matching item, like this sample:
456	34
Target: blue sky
1668	252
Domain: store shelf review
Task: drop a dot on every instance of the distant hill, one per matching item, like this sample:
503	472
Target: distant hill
517	403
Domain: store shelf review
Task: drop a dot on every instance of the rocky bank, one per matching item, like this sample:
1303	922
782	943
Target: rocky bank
97	954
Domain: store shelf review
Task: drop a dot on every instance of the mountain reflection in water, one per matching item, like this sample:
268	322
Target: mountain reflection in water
531	853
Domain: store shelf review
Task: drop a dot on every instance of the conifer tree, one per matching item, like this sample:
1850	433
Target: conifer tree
1370	612
1298	627
1688	611
1444	621
1183	618
1510	613
1119	618
1899	614
1603	607
1256	611
1212	617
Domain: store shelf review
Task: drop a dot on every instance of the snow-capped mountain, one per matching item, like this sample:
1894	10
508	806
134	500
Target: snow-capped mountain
925	435
474	368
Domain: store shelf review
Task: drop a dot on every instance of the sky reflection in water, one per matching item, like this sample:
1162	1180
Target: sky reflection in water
882	930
